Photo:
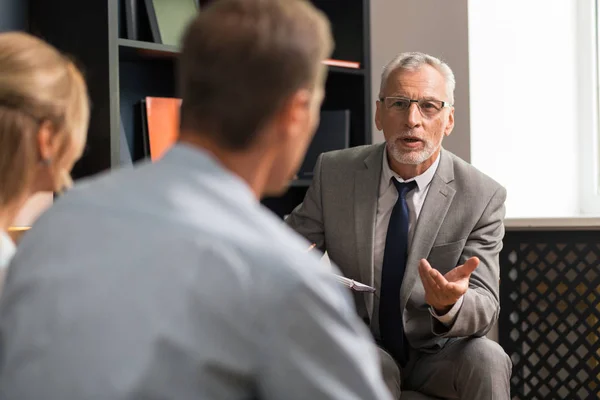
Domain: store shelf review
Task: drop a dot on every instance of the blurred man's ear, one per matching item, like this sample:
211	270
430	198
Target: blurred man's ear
295	113
378	112
450	125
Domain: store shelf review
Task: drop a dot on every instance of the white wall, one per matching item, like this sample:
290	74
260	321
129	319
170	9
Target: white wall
589	146
437	27
524	122
519	79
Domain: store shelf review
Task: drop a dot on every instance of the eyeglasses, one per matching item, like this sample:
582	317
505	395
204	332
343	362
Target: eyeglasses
429	108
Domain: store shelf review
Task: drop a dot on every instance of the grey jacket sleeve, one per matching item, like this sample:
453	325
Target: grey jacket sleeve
317	348
481	304
307	217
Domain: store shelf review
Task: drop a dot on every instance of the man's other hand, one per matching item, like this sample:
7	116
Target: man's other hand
443	291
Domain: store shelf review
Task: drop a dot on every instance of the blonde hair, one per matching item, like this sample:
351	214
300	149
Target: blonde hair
38	85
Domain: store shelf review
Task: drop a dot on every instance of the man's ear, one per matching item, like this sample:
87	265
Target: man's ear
378	112
450	125
46	139
295	113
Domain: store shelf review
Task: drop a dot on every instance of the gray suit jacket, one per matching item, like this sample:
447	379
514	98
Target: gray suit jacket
462	217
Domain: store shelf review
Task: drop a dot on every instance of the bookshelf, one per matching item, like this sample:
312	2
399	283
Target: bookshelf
120	72
13	15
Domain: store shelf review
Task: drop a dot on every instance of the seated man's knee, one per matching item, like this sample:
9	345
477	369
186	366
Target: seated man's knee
484	356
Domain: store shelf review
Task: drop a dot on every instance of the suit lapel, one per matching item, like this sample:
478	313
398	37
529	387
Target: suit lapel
366	189
432	215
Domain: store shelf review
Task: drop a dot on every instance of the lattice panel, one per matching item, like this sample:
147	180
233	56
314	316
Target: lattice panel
550	318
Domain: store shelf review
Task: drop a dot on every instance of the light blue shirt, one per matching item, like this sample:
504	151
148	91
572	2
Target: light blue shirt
171	281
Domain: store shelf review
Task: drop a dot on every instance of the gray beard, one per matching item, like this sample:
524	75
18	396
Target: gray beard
411	158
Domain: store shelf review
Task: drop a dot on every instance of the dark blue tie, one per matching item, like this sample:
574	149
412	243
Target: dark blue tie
392	272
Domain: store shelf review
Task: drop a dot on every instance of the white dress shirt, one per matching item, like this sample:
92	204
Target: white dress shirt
388	195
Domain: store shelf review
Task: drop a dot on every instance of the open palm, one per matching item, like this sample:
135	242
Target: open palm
443	291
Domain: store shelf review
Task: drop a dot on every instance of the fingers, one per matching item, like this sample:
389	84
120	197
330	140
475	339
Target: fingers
428	283
425	271
448	290
438	278
471	264
439	292
424	264
431	276
465	270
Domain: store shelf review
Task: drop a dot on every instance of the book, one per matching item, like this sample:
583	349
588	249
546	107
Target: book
161	125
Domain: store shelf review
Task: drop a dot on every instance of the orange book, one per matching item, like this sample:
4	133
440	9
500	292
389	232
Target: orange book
162	118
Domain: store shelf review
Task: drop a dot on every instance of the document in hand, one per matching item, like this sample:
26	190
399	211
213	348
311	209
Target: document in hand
356	286
349	283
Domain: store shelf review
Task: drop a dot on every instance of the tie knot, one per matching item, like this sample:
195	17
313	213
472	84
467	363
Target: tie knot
404	187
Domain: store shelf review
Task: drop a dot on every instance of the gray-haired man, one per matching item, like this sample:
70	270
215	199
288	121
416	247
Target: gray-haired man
425	228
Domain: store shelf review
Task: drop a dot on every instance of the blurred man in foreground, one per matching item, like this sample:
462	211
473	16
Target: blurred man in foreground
170	280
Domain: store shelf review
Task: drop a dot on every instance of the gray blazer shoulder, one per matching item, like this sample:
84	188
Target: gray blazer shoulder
351	157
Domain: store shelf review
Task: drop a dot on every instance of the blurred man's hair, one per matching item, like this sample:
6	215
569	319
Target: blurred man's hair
242	59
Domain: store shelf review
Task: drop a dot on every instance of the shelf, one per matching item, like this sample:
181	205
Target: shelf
135	50
348	71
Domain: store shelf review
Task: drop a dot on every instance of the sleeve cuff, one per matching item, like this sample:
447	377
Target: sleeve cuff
448	318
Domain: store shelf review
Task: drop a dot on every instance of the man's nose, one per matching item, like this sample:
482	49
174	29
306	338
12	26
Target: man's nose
414	117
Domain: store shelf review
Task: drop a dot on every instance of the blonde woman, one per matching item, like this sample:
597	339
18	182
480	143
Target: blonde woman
44	114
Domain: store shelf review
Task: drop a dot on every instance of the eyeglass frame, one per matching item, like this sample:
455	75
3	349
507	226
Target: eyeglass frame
445	104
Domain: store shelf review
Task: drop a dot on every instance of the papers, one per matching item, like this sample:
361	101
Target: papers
349	283
356	286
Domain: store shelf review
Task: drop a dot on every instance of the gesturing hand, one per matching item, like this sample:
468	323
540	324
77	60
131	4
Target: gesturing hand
442	291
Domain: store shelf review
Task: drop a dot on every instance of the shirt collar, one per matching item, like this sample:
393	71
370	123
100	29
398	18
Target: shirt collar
195	158
422	180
